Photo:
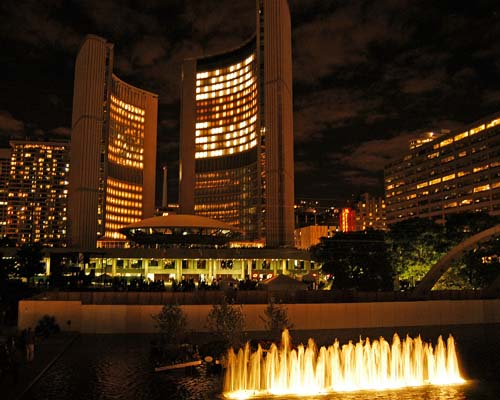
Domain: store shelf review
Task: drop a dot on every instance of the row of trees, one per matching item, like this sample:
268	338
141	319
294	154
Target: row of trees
225	321
376	260
27	263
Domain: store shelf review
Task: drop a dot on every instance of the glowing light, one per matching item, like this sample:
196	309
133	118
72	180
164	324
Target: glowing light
365	365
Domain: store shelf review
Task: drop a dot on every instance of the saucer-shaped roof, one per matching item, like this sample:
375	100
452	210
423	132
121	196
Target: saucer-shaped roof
181	221
180	229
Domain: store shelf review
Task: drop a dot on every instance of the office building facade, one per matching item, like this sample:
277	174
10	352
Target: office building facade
457	172
236	145
37	193
113	157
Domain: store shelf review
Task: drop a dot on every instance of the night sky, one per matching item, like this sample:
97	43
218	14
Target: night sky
368	75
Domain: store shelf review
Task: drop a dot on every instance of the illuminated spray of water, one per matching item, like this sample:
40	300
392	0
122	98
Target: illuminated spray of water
307	370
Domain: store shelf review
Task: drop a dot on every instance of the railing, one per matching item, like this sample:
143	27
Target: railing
254	296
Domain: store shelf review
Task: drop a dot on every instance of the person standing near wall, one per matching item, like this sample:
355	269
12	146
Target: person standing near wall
29	341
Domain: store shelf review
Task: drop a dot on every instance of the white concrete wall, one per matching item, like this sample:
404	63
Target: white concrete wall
93	318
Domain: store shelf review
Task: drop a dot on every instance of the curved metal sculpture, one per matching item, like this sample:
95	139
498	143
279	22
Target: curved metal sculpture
430	279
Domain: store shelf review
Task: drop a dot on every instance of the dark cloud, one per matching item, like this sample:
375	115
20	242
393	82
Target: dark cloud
373	155
424	83
319	113
10	125
148	50
61	132
367	75
37	23
361	180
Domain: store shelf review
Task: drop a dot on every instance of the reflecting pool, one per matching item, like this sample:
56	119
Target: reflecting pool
118	367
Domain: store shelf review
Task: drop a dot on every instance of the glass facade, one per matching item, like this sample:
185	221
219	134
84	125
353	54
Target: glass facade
125	152
227	184
236	142
113	161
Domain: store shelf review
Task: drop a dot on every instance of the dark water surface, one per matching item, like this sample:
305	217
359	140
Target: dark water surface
118	367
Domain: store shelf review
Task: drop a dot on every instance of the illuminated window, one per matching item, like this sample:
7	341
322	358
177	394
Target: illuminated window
460	136
481	168
226	115
493	123
446	142
477	129
481	188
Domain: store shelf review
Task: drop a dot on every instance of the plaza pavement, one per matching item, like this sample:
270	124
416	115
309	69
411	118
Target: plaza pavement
47	351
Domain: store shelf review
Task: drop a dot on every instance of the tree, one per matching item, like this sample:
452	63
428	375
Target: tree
459	227
6	268
482	265
276	318
356	260
414	246
171	322
227	321
478	267
29	260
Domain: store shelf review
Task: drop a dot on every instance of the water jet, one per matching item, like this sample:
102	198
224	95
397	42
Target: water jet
365	365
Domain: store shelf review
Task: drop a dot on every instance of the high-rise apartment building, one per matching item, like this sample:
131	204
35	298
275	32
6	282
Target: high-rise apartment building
347	220
457	172
236	145
113	156
370	213
37	192
4	179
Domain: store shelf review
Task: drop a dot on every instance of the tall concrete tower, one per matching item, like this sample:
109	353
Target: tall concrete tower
113	153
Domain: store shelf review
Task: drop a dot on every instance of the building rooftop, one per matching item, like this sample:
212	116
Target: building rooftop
185	229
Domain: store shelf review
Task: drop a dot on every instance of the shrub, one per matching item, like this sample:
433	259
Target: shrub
171	322
227	321
276	318
46	326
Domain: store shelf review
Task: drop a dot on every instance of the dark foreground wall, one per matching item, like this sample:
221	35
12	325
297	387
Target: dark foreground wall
124	318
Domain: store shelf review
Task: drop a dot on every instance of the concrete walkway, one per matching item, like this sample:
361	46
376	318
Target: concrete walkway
47	351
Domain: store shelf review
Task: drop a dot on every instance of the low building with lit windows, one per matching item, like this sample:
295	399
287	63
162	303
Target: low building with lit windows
308	236
113	157
236	144
176	247
456	172
37	192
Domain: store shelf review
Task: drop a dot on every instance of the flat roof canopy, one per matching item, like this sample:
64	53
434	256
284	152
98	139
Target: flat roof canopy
182	229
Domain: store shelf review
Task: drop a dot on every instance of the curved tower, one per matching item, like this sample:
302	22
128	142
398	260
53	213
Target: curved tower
236	147
113	155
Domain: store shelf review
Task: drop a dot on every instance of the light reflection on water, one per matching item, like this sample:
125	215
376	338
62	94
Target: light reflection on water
118	368
427	393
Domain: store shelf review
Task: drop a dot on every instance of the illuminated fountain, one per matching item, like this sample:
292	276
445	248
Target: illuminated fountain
365	365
